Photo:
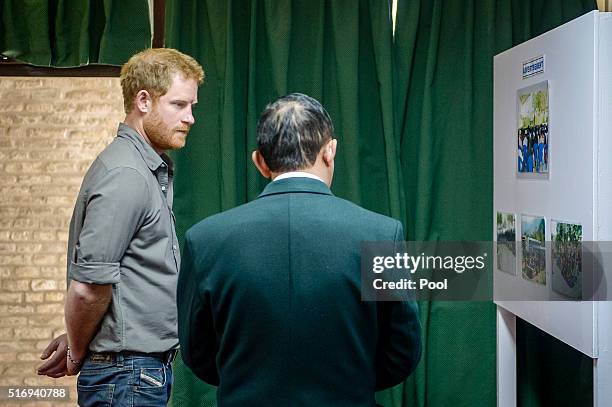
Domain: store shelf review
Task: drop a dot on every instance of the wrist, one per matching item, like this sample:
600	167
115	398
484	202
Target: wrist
71	357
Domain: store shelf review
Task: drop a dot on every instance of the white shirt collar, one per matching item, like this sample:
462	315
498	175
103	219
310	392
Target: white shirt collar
295	174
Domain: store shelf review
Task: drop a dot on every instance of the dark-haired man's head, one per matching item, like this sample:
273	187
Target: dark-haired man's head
295	133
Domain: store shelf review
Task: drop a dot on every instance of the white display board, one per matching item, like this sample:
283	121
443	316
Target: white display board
574	63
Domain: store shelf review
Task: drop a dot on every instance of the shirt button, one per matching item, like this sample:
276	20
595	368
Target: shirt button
173	247
163	187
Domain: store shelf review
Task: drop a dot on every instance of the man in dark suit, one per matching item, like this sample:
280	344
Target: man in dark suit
269	293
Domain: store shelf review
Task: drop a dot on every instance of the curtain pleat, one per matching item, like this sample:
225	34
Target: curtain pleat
444	76
339	52
65	33
413	116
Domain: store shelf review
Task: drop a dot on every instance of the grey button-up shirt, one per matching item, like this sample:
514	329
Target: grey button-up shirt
122	233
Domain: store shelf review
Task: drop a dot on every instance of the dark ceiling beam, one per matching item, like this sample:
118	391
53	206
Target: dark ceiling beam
12	67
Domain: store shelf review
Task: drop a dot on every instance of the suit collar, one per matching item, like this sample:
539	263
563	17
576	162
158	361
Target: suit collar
296	184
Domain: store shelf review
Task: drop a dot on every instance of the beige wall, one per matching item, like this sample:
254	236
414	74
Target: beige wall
604	5
51	129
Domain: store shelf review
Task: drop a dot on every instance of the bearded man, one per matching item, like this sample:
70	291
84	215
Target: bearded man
123	254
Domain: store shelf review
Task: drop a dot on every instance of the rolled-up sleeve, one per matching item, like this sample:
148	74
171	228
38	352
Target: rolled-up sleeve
95	272
115	208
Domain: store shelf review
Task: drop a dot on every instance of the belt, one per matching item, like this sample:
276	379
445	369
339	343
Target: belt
166	357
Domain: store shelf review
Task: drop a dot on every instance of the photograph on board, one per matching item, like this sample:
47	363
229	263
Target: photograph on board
506	242
533	234
566	259
533	136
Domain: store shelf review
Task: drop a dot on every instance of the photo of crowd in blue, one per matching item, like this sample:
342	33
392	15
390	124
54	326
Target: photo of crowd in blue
533	134
533	149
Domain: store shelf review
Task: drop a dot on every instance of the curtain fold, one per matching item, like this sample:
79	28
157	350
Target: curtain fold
444	77
255	51
63	33
413	116
338	51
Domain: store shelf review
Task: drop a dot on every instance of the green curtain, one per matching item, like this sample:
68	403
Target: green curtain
551	373
444	59
64	33
254	51
413	117
339	52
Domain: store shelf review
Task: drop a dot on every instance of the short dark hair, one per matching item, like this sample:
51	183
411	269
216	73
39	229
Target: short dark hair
291	131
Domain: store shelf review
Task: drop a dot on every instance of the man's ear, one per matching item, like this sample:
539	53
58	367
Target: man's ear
329	151
143	101
261	165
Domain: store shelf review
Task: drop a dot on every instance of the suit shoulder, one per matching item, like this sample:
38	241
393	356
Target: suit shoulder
214	223
353	209
338	211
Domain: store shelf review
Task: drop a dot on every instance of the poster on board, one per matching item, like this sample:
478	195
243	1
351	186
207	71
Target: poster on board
533	232
533	136
506	242
566	258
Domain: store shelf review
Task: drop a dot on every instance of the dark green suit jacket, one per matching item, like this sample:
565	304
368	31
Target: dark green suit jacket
269	303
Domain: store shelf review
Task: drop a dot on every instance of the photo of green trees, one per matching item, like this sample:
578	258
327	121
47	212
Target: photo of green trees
506	242
566	258
533	234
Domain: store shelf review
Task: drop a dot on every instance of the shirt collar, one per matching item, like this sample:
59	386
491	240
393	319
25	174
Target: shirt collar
149	155
295	174
296	184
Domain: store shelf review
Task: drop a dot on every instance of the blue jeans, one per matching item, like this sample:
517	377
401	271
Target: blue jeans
118	380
